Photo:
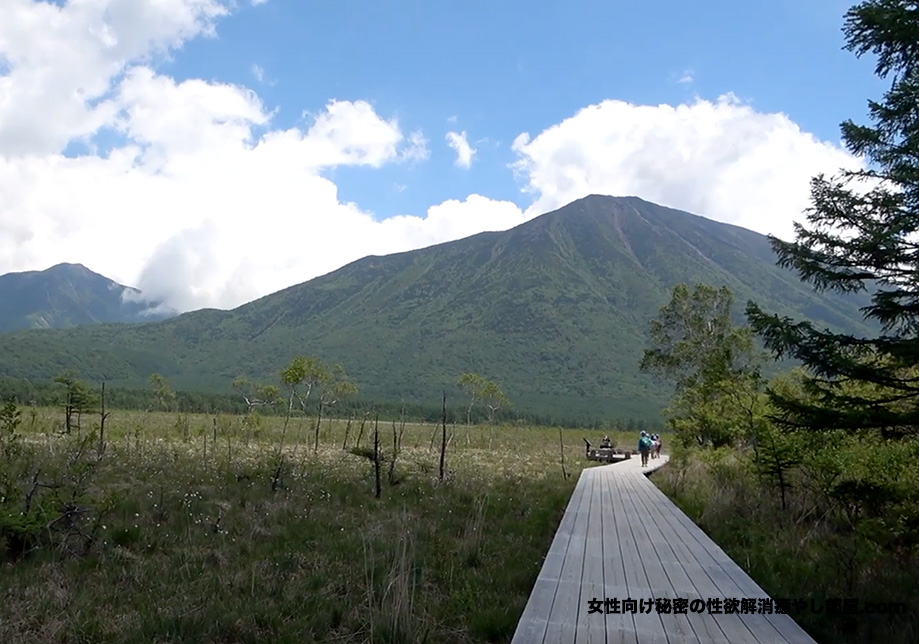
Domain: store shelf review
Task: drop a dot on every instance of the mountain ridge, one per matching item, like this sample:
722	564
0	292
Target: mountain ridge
555	310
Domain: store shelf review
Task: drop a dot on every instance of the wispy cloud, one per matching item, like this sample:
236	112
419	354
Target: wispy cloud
258	72
464	151
686	77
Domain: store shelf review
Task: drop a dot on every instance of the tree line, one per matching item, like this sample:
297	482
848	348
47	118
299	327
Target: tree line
475	399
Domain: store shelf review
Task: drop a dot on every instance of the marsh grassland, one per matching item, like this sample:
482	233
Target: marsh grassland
194	528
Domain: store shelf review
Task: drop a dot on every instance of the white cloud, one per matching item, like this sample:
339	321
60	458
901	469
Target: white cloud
686	77
258	72
63	61
417	149
202	202
719	159
464	151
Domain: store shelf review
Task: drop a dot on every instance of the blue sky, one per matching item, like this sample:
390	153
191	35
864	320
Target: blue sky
502	68
192	148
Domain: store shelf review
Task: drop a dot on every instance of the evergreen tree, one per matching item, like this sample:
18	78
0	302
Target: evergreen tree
862	236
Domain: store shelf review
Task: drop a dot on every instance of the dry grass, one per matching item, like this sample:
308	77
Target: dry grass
193	545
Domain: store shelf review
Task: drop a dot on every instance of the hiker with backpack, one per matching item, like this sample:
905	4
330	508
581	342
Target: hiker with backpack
644	447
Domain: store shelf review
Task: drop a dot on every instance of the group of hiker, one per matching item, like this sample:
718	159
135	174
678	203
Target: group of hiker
649	445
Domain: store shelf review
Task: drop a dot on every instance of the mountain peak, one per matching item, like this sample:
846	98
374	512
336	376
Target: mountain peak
75	270
66	295
66	266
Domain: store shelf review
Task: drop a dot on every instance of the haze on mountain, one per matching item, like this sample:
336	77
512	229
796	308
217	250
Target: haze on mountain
555	310
68	295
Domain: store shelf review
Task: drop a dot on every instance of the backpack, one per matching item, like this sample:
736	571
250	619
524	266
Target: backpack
644	443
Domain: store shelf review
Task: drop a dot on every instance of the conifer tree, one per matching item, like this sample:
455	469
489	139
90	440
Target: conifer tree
863	235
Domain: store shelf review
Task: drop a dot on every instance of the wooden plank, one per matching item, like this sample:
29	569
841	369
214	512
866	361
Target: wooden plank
534	620
733	580
591	628
562	620
686	576
621	537
620	627
648	626
676	626
762	628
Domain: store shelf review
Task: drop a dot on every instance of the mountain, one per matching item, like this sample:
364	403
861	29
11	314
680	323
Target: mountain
555	310
63	296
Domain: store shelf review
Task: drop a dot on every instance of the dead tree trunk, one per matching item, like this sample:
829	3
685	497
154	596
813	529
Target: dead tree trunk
102	416
376	454
344	444
68	411
318	423
360	434
561	446
395	452
402	424
443	441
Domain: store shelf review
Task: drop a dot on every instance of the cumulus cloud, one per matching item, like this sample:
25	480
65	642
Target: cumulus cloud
199	201
63	60
720	159
464	151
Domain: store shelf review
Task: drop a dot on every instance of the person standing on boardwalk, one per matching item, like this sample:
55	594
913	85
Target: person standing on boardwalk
644	447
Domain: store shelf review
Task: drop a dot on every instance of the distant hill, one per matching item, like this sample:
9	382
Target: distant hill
556	310
63	296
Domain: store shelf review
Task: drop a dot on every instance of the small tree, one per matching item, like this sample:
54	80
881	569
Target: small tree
494	399
163	395
480	389
300	377
256	395
334	386
695	345
10	419
77	399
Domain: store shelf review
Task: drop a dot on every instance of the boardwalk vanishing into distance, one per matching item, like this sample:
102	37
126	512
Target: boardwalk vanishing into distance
622	539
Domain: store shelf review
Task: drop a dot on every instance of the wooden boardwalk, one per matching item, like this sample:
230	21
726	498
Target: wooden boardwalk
622	539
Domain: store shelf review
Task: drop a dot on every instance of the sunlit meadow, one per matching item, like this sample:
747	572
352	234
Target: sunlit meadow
199	528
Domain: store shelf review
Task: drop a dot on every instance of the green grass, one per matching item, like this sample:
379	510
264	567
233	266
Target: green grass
192	545
807	551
